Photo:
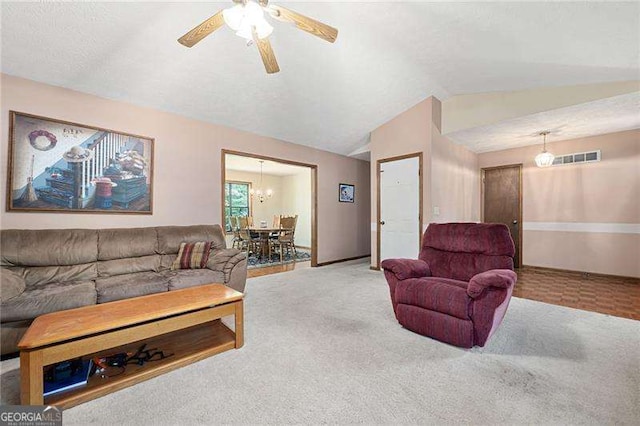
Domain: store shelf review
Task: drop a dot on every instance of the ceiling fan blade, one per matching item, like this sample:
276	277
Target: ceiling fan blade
202	30
305	23
266	53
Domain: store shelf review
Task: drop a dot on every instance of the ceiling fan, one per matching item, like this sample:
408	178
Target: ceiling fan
246	18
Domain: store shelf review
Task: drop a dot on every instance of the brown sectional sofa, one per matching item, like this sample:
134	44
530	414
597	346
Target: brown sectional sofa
45	271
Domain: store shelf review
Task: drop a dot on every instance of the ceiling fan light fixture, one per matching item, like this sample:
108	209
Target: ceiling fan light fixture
233	16
263	30
247	20
242	18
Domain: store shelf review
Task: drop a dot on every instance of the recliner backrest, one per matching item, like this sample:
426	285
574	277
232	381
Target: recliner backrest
461	250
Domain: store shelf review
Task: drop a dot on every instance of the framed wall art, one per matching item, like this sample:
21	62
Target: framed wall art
346	193
59	166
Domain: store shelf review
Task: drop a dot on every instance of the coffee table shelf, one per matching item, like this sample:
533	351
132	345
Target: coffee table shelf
188	346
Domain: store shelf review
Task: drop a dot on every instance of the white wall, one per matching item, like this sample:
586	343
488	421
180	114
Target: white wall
296	190
455	179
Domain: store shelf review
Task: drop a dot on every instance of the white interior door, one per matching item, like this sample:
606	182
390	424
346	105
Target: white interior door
400	208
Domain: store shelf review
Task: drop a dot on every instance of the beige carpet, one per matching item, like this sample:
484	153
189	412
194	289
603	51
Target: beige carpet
322	346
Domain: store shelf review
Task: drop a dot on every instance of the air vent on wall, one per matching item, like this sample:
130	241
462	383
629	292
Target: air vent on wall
579	157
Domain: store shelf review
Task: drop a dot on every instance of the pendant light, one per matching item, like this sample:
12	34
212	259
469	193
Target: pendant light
262	196
544	159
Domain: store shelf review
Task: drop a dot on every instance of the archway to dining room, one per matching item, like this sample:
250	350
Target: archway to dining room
269	210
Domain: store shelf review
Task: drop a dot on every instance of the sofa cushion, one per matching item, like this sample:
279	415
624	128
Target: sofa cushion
170	237
48	247
109	268
11	284
39	275
192	255
123	243
185	278
436	294
46	298
130	285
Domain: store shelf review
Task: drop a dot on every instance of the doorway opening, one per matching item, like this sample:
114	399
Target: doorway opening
399	207
502	201
269	209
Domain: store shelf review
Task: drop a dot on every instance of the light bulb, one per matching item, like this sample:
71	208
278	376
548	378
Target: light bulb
242	18
233	16
245	32
253	12
544	159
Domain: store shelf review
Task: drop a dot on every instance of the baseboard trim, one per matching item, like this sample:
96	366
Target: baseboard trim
581	273
9	356
331	262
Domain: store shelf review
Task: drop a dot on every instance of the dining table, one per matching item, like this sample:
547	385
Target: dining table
264	234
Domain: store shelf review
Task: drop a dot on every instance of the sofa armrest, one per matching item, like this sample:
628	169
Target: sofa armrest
406	268
233	263
499	278
11	284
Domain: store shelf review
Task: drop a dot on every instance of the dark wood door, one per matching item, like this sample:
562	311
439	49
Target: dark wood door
502	202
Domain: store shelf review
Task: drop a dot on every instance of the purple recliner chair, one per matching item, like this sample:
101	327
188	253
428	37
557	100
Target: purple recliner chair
459	288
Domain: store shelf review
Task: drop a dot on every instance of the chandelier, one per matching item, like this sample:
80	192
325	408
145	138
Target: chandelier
544	159
262	196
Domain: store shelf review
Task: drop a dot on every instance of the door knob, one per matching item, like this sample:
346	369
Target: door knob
515	222
382	222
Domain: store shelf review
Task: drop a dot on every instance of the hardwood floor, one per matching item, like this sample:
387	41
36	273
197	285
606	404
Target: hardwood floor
616	296
276	269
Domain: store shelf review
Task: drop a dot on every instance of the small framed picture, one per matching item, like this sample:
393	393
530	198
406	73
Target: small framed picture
346	193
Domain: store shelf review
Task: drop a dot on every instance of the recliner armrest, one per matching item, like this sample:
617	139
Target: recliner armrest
500	278
407	268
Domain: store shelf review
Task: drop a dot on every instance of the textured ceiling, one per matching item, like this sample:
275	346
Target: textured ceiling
608	115
252	165
388	57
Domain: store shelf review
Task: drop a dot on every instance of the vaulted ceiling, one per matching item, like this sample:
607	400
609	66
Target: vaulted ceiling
608	115
388	57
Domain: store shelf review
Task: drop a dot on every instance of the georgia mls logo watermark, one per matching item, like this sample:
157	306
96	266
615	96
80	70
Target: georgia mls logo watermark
30	415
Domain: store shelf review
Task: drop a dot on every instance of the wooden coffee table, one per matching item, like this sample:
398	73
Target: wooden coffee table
183	322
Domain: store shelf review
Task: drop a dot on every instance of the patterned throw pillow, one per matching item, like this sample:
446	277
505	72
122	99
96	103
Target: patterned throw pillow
192	255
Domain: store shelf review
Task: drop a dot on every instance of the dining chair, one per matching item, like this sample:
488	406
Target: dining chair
248	241
285	239
235	229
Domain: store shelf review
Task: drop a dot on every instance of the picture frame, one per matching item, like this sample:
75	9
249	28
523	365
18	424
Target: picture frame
57	166
346	193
